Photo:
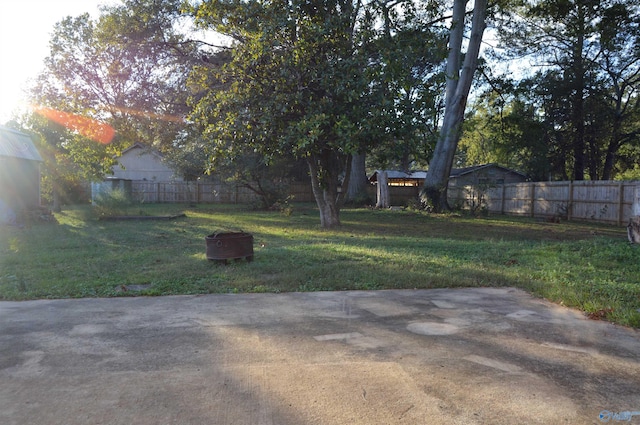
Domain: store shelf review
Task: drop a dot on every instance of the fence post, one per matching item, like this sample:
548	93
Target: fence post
635	208
633	228
620	202
570	204
532	194
504	190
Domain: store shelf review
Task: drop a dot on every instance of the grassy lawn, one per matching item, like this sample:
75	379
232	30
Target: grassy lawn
592	267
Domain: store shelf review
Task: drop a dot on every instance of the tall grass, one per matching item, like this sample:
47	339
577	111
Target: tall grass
591	267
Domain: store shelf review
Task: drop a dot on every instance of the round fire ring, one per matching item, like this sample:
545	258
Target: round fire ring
229	246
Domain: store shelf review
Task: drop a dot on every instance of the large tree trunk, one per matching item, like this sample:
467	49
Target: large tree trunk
57	207
614	143
633	230
357	193
457	92
324	170
609	160
383	190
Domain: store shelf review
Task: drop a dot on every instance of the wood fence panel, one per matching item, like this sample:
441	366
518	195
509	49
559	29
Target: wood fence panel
190	192
494	199
631	198
597	201
602	201
514	199
144	191
402	195
550	198
301	192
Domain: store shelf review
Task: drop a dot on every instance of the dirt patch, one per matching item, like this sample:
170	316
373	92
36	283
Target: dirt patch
132	288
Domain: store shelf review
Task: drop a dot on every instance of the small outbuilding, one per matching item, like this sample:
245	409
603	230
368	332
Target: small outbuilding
19	174
485	174
406	186
489	174
400	178
139	162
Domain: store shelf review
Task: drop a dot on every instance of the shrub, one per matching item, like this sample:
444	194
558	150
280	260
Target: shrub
113	202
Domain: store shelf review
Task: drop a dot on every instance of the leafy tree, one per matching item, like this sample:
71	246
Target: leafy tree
69	160
127	69
617	107
294	86
406	67
270	182
505	128
588	50
410	50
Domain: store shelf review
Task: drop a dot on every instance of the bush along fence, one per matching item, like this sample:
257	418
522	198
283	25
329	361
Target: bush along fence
602	201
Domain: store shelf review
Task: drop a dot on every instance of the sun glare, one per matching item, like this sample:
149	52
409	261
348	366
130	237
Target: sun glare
10	102
87	127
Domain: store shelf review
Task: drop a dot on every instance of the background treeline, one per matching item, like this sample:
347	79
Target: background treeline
257	90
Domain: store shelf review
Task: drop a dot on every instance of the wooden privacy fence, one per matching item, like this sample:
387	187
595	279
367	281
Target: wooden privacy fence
602	201
206	192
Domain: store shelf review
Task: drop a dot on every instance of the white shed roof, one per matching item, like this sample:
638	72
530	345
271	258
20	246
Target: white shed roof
17	145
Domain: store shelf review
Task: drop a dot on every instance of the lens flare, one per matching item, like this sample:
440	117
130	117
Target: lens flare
88	127
151	115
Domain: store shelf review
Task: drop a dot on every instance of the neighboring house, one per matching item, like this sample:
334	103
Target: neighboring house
486	175
138	162
19	173
406	186
469	185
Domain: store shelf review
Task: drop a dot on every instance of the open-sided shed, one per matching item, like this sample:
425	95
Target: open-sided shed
19	172
400	178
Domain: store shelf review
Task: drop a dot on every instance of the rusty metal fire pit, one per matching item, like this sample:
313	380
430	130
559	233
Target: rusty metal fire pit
229	246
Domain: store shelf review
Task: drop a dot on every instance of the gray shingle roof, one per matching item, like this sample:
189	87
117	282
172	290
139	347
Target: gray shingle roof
17	145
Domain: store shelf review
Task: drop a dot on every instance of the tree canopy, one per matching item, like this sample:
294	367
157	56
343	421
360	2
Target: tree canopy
123	73
301	81
584	90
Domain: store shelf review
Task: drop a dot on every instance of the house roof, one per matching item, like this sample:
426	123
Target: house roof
457	172
144	150
393	174
139	145
17	145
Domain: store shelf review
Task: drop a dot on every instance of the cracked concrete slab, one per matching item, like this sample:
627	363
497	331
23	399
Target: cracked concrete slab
460	356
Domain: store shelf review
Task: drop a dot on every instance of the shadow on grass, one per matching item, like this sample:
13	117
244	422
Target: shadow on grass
83	257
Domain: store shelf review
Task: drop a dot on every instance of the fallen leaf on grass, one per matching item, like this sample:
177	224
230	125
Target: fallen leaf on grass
600	314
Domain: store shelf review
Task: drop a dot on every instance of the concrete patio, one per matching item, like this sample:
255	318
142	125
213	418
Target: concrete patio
463	356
